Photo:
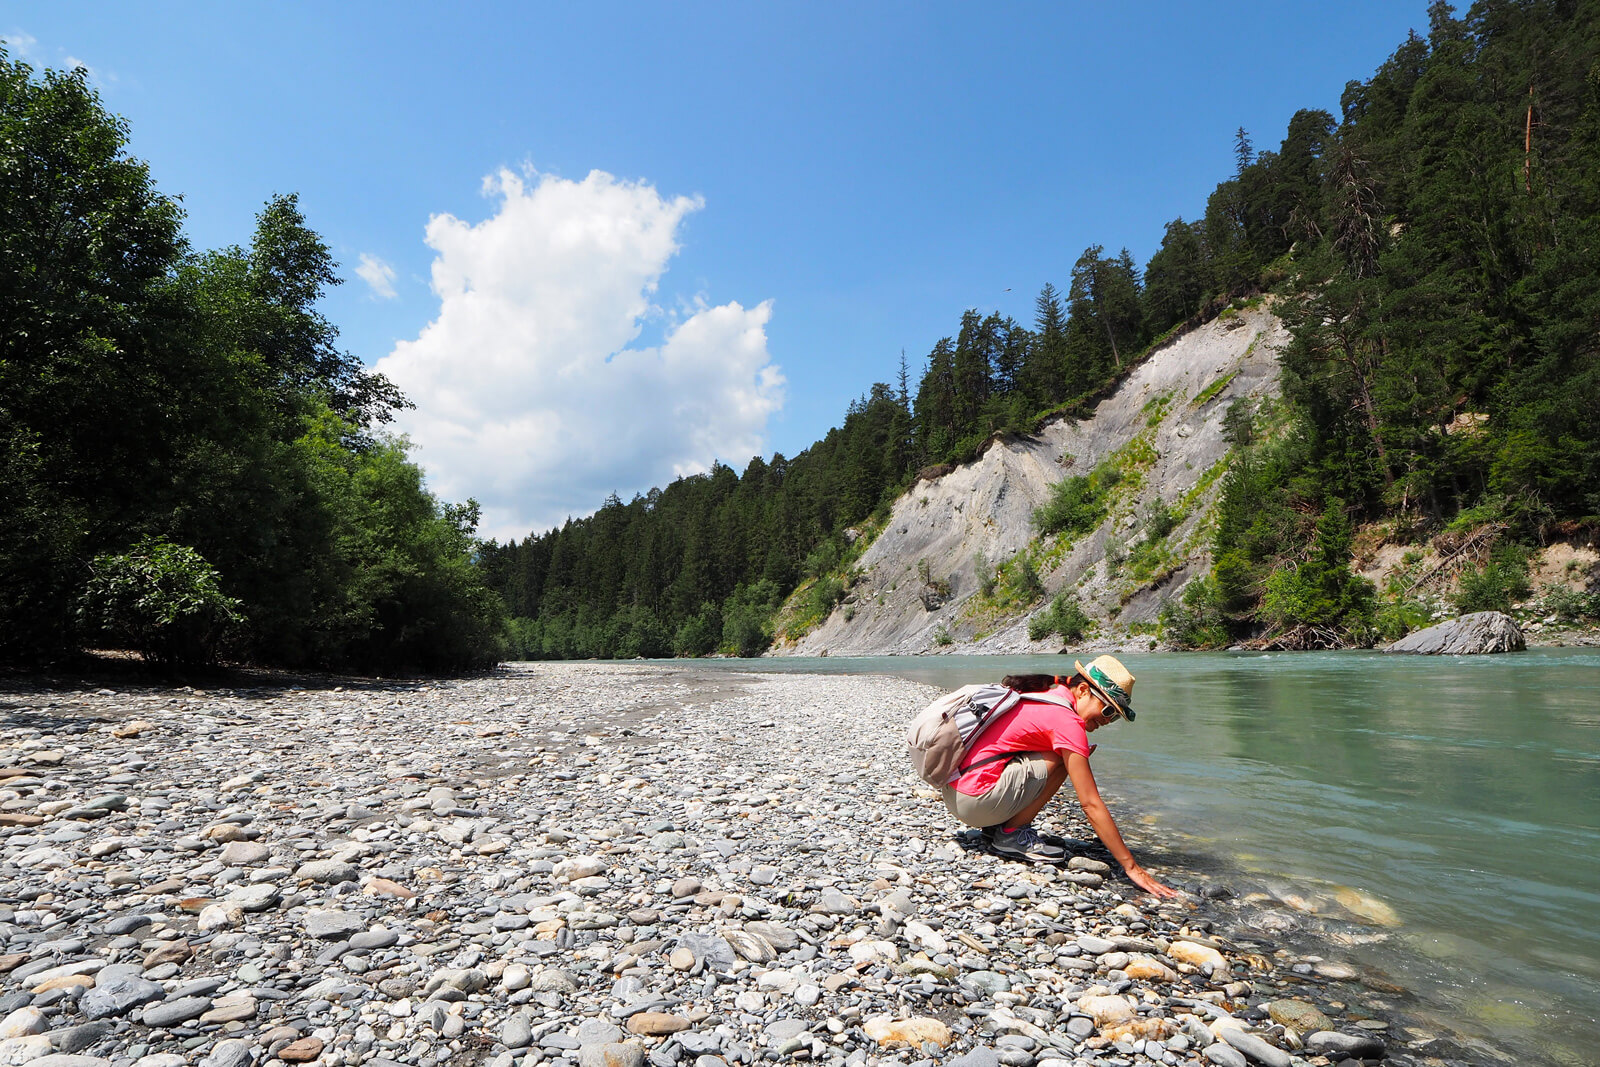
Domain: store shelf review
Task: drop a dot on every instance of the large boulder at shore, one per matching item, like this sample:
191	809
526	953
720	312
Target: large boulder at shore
1469	635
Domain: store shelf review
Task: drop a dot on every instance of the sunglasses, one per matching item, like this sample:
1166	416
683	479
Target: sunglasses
1108	711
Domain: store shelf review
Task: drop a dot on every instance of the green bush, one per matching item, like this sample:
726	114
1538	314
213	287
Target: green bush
1322	593
162	600
1022	581
1235	578
941	637
523	639
1078	504
1159	520
1196	620
827	592
744	632
984	572
1065	616
747	618
935	591
639	634
379	576
699	632
1502	580
1397	619
1568	604
823	559
1116	555
1039	627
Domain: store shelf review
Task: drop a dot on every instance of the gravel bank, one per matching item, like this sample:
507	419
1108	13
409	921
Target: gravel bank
586	866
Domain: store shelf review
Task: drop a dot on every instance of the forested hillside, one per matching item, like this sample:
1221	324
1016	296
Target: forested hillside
1444	375
703	564
189	466
1436	249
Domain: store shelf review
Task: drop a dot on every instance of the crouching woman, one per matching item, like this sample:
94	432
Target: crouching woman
1021	760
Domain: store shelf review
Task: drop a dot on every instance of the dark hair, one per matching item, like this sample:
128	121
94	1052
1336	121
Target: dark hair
1028	683
1038	683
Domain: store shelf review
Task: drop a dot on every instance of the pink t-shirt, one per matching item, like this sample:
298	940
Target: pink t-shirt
1032	726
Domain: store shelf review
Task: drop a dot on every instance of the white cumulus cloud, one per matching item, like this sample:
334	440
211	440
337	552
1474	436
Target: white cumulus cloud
378	275
528	395
20	45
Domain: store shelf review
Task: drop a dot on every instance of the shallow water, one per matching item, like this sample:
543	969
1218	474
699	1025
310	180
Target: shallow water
1458	797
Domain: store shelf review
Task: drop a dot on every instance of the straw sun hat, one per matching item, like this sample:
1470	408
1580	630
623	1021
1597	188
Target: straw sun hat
1107	676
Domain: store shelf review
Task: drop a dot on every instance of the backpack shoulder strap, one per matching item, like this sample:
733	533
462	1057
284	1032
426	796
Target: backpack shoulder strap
1045	698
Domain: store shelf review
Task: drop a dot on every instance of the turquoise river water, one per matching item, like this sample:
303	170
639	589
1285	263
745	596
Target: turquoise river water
1450	807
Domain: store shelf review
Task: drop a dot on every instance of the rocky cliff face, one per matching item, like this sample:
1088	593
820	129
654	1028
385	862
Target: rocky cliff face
918	588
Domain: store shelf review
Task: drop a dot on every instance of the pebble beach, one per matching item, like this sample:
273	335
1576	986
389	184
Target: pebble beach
588	865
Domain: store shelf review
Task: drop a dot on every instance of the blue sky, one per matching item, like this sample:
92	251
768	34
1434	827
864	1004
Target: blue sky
788	194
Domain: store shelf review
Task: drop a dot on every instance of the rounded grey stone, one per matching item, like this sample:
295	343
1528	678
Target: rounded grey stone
118	995
978	1057
333	925
1354	1046
1224	1056
517	1032
1256	1049
77	1038
779	937
832	902
327	872
229	1053
254	897
598	1032
368	940
617	1055
699	1042
244	853
173	1012
986	983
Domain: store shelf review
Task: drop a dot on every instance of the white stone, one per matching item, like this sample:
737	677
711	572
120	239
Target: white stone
23	1022
15	1051
219	917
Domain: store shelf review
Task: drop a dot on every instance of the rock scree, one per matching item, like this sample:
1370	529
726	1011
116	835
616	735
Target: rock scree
1479	633
576	865
1163	429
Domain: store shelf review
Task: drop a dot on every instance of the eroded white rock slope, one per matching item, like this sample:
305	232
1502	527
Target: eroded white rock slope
987	507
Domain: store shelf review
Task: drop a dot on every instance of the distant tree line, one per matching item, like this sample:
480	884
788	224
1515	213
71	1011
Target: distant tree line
189	466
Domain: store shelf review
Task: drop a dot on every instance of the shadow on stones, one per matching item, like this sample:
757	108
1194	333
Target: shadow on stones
64	721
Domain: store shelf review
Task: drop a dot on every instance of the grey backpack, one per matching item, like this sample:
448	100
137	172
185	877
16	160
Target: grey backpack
942	734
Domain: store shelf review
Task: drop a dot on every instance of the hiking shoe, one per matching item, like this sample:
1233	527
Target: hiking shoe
1025	844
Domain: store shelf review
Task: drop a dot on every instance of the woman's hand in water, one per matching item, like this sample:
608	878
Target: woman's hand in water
1141	878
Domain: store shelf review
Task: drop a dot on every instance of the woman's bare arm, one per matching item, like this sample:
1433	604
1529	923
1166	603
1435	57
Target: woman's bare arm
1099	817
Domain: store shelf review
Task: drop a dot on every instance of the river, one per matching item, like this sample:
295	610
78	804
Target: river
1459	798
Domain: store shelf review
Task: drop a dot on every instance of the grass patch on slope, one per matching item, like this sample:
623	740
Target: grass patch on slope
833	576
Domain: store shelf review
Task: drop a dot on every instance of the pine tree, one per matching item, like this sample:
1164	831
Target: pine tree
1044	366
1176	278
936	404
